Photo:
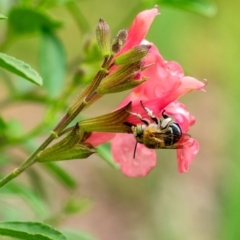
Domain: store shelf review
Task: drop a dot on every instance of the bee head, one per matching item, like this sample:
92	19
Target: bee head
166	121
172	128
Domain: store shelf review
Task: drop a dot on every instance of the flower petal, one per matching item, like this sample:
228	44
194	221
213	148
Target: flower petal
156	105
166	80
98	138
181	115
174	68
139	28
161	79
189	84
122	151
186	155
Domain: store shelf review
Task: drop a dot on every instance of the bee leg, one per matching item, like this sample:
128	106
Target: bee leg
150	114
144	120
135	149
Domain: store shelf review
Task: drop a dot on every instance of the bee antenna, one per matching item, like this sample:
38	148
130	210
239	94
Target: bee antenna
135	148
142	104
164	114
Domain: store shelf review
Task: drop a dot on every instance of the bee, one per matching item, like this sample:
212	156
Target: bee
160	133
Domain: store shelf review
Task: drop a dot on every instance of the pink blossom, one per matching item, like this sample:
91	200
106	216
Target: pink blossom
181	115
186	155
139	28
166	80
146	159
166	83
122	146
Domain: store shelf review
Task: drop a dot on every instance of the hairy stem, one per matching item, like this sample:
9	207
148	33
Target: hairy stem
86	97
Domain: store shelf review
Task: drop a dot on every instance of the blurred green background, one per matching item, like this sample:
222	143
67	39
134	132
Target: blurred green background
203	204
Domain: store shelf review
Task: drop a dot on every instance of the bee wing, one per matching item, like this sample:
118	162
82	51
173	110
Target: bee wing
182	143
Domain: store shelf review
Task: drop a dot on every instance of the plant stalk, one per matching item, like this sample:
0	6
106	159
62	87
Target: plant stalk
68	118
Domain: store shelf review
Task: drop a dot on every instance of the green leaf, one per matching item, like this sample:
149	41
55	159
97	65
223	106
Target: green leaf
8	212
30	231
104	151
19	68
52	63
26	194
206	8
61	174
3	125
2	17
77	205
14	129
77	235
24	20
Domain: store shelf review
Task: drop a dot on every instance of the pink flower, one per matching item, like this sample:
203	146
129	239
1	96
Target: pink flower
145	159
122	146
166	83
139	28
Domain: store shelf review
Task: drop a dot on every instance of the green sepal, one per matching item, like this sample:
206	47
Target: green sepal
79	151
133	55
70	147
132	83
111	122
123	74
103	36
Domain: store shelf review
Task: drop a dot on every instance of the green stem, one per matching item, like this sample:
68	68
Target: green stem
66	131
85	99
89	92
78	16
28	163
14	174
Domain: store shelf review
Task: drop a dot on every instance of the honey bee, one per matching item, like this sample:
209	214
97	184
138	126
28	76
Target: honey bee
161	133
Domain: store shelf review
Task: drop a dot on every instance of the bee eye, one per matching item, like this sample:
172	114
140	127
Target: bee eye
175	128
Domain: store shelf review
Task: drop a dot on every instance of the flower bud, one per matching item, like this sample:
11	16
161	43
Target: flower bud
133	55
119	40
103	38
120	75
129	84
